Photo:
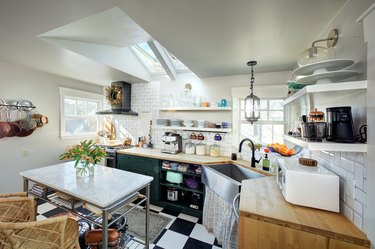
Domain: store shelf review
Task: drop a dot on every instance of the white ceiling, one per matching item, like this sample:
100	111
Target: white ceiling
211	37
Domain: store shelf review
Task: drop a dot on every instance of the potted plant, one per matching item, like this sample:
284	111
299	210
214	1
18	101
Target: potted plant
85	155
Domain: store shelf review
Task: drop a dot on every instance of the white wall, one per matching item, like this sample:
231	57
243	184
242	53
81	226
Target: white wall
43	146
369	23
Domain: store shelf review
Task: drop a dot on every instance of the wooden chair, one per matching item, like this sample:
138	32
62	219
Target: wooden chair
19	230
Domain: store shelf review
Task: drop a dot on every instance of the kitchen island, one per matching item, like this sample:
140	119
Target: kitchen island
266	220
108	189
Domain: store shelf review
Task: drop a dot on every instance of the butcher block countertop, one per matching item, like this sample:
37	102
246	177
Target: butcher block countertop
186	158
262	200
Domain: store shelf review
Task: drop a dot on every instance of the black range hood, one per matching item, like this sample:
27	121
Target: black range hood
122	90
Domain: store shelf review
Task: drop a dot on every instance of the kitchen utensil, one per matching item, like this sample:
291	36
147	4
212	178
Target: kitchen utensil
40	119
201	123
174	177
200	136
172	143
215	150
190	147
314	131
15	129
225	124
340	124
316	116
25	105
329	65
193	136
172	194
4	129
217	137
211	125
200	149
191	182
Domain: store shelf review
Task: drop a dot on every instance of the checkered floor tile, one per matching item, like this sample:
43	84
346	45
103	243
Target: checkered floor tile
183	232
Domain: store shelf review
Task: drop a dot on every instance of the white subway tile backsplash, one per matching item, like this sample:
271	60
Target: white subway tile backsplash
360	196
358	207
357	220
347	164
359	176
351	169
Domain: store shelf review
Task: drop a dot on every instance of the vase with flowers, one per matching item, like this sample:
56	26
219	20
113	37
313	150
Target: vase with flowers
85	155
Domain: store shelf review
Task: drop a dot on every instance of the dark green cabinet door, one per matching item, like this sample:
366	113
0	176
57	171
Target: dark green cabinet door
144	166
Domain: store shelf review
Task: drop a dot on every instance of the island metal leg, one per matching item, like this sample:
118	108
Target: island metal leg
147	242
25	185
105	229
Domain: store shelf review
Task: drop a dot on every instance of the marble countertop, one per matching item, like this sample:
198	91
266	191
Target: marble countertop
106	187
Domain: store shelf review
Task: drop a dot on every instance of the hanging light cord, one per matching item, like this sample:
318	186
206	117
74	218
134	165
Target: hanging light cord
252	80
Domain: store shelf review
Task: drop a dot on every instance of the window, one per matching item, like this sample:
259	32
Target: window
269	128
148	58
177	64
78	113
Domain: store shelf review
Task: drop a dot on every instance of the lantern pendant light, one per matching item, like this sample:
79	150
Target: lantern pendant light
252	102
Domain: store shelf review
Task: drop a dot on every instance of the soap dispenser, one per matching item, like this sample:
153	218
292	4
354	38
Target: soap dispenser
266	160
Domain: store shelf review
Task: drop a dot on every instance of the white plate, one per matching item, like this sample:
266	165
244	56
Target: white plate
329	76
329	65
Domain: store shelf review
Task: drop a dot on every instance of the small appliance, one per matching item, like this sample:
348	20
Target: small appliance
172	143
172	194
314	131
308	186
340	125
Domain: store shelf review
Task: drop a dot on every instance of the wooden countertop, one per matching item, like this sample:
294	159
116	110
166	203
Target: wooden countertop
186	158
261	199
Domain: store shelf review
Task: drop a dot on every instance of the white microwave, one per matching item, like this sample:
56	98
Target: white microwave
307	186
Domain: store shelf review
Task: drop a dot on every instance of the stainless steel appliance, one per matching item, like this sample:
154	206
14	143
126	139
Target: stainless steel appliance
314	131
111	154
340	125
172	143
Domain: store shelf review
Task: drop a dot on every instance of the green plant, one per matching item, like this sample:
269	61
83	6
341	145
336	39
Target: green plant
85	152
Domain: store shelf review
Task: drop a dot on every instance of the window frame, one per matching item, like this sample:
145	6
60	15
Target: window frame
268	91
77	95
262	122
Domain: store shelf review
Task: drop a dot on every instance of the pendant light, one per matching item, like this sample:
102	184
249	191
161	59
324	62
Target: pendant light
252	102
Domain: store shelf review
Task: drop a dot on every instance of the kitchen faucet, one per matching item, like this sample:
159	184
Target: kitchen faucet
253	161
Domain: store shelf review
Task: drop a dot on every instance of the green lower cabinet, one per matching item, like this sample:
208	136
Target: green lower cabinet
144	166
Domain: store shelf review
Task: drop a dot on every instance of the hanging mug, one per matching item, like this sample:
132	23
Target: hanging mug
200	136
193	136
217	137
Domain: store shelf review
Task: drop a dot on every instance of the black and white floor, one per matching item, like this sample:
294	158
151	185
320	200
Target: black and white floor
183	232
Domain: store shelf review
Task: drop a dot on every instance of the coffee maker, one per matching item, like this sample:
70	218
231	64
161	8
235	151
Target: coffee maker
340	125
172	143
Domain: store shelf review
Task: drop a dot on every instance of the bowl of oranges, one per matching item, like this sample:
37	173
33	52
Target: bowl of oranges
282	149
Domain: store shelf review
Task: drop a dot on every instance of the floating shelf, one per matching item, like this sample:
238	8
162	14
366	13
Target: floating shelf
195	109
183	128
344	86
325	145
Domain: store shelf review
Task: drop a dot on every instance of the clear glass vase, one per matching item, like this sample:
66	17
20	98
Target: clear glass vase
85	169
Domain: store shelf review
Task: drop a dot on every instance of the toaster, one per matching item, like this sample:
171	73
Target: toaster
308	186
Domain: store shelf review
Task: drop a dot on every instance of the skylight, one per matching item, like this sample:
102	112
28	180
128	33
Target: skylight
148	58
177	64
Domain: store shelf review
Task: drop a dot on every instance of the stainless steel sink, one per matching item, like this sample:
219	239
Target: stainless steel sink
225	179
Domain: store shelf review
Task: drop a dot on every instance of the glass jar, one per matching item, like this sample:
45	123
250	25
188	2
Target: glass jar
200	149
189	148
215	150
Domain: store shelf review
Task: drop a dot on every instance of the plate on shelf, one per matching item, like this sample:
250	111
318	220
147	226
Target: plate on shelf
329	65
331	76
